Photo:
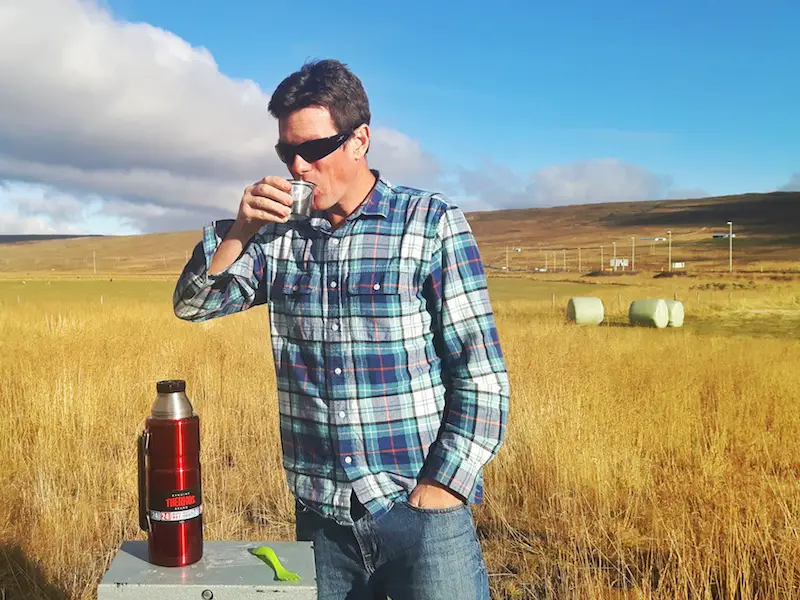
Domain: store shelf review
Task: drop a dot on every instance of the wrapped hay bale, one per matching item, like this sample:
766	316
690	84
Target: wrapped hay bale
585	311
676	313
650	313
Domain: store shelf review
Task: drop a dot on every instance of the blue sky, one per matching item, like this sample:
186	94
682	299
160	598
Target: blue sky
706	91
681	98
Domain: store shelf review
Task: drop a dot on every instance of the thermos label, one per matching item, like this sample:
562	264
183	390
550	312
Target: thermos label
175	516
179	505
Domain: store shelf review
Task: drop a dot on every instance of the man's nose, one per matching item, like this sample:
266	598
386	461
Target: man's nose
299	166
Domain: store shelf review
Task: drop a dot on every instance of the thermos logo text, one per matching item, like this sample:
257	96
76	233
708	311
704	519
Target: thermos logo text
181	501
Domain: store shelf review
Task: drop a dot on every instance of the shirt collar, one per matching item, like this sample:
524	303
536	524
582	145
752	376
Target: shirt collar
378	203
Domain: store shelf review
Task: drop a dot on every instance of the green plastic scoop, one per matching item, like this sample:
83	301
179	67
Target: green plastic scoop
268	555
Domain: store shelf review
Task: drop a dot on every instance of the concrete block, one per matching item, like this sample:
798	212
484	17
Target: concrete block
227	571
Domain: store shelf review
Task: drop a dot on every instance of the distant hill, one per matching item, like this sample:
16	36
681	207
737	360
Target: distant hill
765	225
766	228
775	213
14	239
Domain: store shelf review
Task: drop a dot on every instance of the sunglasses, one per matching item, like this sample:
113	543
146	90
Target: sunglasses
312	150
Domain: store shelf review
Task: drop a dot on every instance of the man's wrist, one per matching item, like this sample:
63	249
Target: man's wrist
432	482
243	231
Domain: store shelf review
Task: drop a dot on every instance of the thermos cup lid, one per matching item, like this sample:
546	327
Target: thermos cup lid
168	386
171	402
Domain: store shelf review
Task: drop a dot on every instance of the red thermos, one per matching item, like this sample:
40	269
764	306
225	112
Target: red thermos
170	494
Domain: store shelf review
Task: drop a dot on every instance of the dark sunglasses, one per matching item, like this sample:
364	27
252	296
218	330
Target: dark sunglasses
312	150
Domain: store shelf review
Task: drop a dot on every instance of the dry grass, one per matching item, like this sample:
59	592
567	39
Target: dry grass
638	463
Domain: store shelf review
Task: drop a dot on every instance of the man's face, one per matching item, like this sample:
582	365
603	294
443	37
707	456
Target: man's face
333	174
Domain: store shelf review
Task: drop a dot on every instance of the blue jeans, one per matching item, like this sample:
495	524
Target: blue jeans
409	553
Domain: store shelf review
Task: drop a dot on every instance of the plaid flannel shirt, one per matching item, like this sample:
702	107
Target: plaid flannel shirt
388	363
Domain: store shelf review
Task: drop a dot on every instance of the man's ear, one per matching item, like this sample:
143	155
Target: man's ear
362	137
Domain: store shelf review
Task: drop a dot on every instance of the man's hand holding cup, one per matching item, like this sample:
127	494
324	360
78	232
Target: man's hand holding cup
266	201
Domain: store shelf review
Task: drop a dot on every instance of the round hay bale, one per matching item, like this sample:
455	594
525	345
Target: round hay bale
651	312
585	311
676	313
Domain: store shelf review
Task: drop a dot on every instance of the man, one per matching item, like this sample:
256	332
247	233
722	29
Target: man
392	387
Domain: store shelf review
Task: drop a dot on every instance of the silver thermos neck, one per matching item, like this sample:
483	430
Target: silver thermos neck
171	401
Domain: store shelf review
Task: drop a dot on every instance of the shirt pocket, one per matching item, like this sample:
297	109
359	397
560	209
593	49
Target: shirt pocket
374	306
295	307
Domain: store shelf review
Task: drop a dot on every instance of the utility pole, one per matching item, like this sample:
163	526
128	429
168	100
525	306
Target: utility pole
515	250
602	260
580	263
545	261
633	253
614	260
669	233
730	246
565	260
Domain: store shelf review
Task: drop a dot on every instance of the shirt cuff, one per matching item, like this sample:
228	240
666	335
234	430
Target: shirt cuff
450	469
213	234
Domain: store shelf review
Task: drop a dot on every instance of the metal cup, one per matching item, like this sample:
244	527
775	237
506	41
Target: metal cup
302	199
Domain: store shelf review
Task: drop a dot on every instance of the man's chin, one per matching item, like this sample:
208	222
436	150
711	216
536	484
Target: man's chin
320	203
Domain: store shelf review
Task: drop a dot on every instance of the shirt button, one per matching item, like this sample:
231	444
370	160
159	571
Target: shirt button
333	284
295	287
335	327
348	459
335	241
338	371
376	287
342	414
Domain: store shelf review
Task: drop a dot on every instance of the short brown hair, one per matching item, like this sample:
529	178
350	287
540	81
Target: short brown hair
327	84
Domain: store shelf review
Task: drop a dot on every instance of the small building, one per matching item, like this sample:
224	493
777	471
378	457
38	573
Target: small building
679	265
723	236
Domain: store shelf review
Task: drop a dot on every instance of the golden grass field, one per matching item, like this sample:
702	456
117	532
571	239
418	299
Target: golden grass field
638	464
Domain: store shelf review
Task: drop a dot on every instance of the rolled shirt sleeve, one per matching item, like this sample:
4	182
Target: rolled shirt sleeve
200	296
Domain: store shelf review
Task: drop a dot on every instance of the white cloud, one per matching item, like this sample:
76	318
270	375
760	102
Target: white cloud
38	210
15	224
42	202
84	90
793	185
137	116
587	182
402	159
686	193
128	126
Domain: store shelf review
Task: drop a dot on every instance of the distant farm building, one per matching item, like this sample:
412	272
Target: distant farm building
723	236
619	263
